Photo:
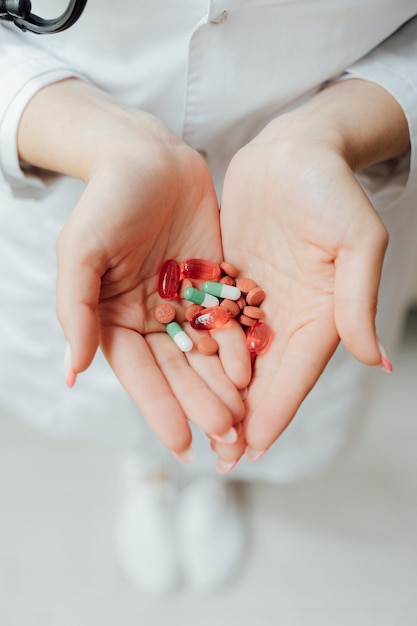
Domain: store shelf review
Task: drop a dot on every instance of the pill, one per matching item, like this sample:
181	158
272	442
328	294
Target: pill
241	303
255	296
220	290
254	311
245	284
200	269
229	269
200	297
215	317
179	336
207	345
245	320
186	282
169	279
227	280
258	338
233	306
191	310
164	313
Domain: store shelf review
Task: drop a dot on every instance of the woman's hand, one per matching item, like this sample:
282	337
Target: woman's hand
149	197
295	219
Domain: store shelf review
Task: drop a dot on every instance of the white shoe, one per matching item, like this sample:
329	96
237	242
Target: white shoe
211	533
146	534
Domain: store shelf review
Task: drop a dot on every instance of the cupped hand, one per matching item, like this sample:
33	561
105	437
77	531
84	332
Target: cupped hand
148	199
294	218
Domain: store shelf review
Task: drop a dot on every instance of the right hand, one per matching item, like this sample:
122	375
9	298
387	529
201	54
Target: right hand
149	197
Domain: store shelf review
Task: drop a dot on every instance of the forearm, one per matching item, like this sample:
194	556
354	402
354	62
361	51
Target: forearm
70	127
362	121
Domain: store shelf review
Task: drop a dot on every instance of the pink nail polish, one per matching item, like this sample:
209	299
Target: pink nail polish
71	378
385	365
223	467
227	438
70	375
186	456
254	455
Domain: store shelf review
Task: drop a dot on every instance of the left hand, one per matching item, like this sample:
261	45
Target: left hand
295	219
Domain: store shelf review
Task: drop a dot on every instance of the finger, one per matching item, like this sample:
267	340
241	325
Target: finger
283	377
229	454
200	404
135	367
357	276
78	291
210	369
234	354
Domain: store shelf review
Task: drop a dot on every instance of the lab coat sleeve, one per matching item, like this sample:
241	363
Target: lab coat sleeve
24	70
393	65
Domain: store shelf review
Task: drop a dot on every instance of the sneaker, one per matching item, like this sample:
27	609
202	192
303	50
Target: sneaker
146	536
211	533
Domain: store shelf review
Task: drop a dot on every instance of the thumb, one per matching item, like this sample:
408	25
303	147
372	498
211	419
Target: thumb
358	268
78	292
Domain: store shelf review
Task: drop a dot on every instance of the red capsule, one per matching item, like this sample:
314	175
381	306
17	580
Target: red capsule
169	279
214	317
199	269
258	338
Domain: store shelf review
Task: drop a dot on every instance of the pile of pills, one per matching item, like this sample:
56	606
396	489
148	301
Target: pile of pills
223	296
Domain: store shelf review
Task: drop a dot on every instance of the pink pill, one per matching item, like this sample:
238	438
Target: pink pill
258	338
214	317
199	269
169	279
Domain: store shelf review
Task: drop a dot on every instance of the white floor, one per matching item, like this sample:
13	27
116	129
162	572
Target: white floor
339	550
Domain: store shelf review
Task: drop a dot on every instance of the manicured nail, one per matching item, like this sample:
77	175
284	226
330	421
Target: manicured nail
254	455
186	456
70	375
385	365
223	467
229	437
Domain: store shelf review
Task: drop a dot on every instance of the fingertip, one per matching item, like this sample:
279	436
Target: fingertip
185	456
385	365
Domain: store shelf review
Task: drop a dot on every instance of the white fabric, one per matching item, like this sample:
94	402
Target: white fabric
216	72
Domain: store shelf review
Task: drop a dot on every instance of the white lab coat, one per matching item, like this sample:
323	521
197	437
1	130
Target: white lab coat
216	72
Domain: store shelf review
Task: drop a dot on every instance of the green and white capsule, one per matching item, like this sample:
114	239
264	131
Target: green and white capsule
221	291
200	297
179	336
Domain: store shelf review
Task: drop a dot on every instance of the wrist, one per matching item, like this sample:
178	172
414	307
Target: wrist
75	129
360	120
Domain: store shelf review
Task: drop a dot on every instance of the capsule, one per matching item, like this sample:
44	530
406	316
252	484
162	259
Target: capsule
169	279
179	336
199	297
221	291
199	269
212	318
258	338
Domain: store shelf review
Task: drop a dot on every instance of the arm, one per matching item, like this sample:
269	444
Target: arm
148	197
322	243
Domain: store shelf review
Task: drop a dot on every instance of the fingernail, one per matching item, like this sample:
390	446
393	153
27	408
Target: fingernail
254	455
223	467
186	456
385	365
70	375
229	437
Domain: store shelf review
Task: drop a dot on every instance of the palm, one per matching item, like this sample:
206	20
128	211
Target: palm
296	240
142	223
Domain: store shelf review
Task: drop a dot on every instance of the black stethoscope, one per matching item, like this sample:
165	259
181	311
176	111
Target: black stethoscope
19	12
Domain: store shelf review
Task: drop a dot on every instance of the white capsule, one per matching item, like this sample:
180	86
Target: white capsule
179	336
200	297
221	291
